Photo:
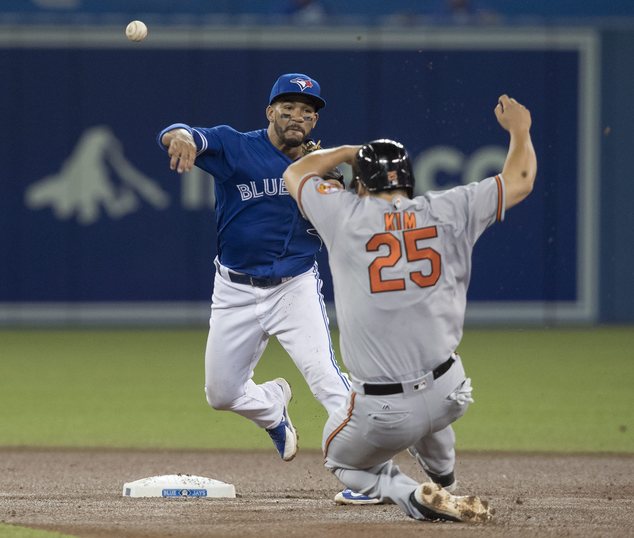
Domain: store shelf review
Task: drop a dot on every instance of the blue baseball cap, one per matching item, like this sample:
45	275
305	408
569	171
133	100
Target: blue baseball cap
297	84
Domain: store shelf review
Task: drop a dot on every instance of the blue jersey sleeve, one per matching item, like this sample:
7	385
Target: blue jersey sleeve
217	148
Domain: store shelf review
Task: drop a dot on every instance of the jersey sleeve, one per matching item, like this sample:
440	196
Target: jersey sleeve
472	208
320	202
159	137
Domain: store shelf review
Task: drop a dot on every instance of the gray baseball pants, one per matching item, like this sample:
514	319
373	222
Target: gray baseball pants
361	438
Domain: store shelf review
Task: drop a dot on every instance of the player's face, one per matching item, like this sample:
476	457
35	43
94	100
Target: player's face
292	121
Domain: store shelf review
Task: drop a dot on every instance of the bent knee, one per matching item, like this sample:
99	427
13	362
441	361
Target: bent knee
218	399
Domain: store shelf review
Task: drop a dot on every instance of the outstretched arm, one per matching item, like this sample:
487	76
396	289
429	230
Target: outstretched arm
520	166
318	163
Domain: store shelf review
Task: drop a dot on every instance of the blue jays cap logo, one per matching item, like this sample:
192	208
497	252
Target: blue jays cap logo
303	83
298	84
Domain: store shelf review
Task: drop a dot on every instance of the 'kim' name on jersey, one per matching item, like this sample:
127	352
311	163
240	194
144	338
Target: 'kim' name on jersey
399	220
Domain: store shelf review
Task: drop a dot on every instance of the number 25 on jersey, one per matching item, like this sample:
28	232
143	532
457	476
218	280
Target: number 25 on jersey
413	252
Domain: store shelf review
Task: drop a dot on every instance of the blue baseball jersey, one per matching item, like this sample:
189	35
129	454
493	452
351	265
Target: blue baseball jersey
260	229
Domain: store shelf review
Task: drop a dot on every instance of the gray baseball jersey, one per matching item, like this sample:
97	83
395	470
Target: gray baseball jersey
401	271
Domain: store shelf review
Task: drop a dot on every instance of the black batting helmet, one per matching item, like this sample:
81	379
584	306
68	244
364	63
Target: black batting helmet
383	165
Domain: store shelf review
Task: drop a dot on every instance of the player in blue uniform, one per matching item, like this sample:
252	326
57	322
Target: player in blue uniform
267	281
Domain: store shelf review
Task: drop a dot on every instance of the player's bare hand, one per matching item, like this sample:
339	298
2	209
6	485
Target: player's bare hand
511	115
182	150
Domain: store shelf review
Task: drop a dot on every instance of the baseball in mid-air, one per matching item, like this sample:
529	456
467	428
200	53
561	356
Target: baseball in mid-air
136	31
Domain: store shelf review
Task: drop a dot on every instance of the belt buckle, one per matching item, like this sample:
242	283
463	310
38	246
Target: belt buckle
251	280
420	385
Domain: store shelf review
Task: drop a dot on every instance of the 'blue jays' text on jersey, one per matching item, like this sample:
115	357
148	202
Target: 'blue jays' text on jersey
260	230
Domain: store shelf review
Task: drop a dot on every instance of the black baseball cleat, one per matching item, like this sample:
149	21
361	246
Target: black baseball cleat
436	503
447	481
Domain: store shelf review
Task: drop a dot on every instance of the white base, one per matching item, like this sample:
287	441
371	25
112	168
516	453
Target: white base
178	485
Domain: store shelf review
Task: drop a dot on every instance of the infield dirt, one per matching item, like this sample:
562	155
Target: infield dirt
79	492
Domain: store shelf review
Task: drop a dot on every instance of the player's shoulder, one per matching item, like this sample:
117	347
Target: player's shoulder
256	137
319	186
257	134
453	204
228	137
459	193
446	196
220	130
317	192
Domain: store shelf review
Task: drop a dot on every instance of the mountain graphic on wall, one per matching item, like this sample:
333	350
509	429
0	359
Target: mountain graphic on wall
95	180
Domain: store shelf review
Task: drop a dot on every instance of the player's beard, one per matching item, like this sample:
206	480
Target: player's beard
290	137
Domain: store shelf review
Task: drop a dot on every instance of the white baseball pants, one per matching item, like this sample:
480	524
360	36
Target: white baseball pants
243	318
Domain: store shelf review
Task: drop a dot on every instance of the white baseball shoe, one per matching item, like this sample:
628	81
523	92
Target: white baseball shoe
436	503
347	496
284	435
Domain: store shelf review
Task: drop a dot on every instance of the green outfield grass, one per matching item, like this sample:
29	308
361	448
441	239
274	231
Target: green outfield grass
24	532
535	390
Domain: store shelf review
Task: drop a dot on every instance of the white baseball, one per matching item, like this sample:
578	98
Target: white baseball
136	31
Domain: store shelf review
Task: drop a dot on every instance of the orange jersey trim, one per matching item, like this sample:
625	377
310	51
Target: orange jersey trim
499	212
342	425
300	187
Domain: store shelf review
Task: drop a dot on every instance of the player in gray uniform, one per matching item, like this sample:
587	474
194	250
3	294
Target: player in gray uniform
401	269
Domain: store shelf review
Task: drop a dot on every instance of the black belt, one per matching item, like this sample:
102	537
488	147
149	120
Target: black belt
384	389
258	282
